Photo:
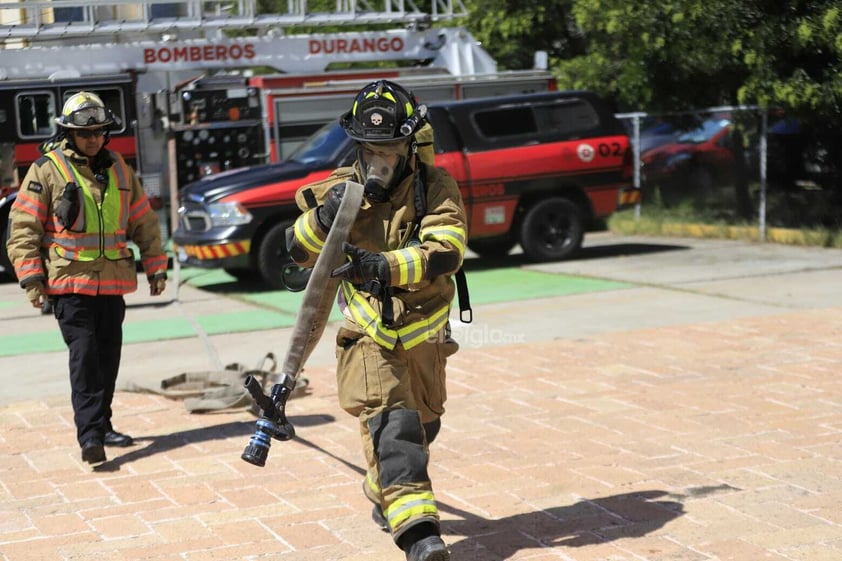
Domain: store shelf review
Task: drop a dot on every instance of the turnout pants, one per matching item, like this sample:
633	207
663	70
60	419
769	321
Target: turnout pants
92	328
398	396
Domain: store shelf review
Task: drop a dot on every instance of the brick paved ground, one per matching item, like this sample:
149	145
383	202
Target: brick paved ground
708	441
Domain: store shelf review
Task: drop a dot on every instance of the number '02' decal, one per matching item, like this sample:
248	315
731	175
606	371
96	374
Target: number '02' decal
610	149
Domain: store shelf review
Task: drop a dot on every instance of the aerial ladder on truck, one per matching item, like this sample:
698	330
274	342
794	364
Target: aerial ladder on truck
148	60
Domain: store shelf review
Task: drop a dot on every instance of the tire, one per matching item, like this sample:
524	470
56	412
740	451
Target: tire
273	259
492	248
552	230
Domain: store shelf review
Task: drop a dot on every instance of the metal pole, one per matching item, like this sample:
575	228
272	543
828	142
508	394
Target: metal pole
213	356
173	195
636	152
762	210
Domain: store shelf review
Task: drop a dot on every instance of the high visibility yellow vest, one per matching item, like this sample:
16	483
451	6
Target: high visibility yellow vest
100	229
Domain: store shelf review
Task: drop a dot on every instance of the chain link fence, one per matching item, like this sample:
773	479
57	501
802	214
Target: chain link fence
738	165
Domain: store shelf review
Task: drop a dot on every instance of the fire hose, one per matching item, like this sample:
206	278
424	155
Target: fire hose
309	326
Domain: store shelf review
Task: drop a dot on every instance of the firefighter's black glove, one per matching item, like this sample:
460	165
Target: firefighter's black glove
366	270
326	213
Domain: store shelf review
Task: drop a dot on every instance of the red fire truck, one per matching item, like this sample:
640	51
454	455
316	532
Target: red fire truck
186	93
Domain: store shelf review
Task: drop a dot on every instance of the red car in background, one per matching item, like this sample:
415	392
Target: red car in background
695	161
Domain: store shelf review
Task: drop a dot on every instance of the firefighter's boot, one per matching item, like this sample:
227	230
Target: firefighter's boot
431	548
423	543
378	518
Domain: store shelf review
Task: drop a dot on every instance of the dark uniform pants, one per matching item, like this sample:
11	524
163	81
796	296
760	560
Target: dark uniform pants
398	396
92	328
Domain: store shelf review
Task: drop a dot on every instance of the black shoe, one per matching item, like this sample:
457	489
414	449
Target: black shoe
114	438
431	548
93	452
379	518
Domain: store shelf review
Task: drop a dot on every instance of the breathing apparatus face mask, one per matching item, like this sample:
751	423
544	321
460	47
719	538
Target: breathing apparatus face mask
383	167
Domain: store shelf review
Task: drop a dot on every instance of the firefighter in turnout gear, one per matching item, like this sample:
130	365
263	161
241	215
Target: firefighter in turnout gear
396	291
77	208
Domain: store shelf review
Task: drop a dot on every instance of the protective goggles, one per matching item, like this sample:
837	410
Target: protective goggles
88	116
90	133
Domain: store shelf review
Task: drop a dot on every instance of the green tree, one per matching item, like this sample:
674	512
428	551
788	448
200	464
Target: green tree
794	59
669	55
512	30
677	54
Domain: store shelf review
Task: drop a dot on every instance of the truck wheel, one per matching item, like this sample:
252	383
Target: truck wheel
272	256
8	271
492	248
552	230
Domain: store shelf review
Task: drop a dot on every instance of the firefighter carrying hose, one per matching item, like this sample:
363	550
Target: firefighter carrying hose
396	291
78	206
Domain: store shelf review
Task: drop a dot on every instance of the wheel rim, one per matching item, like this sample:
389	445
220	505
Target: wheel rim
554	230
294	277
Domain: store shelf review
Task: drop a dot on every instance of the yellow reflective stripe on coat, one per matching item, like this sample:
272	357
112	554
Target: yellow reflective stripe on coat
410	335
411	506
367	317
307	234
410	265
415	333
453	235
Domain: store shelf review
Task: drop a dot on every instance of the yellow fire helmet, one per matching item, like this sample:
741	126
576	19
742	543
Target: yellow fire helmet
85	110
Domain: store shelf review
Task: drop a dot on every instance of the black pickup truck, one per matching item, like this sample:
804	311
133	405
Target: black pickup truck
533	169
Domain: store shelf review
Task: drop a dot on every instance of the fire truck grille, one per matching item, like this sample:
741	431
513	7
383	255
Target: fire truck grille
193	217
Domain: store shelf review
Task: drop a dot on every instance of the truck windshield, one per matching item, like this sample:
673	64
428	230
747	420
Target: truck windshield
324	148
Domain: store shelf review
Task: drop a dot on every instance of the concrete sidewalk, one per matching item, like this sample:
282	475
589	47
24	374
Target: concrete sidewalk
708	429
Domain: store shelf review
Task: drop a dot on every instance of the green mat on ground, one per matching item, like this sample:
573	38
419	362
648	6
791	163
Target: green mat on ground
277	309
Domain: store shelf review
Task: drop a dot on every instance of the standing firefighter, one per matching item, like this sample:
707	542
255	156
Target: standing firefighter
408	239
78	206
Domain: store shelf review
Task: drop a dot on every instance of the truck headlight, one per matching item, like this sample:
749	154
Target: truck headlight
228	214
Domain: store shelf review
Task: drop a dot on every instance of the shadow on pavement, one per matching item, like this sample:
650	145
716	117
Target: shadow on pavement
587	522
626	250
252	286
586	253
248	286
166	442
152	305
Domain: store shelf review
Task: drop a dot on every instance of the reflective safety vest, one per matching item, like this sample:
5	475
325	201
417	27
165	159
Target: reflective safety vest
100	229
